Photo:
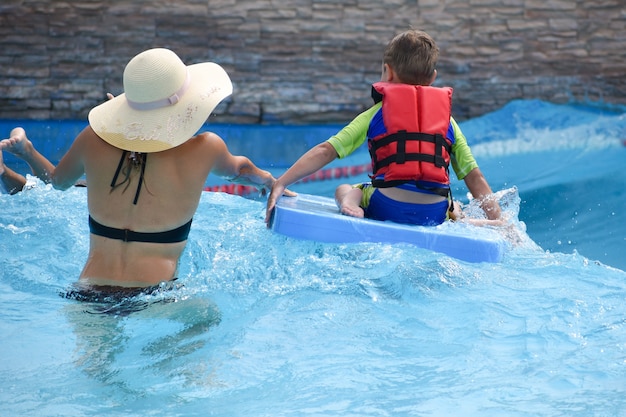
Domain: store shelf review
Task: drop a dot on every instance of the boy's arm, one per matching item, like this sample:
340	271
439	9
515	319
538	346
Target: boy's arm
346	141
463	162
480	189
313	160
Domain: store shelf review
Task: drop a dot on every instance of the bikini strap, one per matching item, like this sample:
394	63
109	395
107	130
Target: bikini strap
119	168
143	169
142	160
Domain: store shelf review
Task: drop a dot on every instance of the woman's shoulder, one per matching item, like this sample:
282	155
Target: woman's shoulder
202	148
205	139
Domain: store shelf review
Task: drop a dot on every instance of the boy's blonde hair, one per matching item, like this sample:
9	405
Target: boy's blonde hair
412	55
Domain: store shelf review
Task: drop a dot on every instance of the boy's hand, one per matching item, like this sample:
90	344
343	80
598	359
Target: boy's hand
278	190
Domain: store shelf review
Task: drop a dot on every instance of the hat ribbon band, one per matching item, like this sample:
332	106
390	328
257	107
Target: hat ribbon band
164	102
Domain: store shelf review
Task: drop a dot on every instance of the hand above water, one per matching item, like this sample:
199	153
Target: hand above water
277	191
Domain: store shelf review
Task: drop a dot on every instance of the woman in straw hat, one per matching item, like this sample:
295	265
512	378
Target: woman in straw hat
145	170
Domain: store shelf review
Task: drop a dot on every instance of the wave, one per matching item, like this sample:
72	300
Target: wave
566	161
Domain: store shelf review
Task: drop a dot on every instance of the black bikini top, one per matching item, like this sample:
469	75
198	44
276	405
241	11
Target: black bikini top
135	158
179	234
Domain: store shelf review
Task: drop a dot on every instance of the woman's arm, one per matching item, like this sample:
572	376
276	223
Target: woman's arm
71	166
13	182
238	169
19	145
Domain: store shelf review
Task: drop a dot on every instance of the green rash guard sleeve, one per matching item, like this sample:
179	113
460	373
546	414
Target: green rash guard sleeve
351	137
462	159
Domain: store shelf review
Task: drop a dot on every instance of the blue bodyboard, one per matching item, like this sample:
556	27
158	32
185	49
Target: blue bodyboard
317	218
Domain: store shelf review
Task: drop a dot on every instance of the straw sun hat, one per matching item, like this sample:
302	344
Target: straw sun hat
164	103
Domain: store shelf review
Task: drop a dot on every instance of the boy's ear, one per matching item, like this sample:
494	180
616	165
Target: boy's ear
388	73
432	80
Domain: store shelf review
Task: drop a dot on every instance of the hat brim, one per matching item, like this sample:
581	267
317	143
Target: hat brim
164	128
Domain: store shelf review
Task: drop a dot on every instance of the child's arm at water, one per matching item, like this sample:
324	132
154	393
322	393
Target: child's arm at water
314	159
480	189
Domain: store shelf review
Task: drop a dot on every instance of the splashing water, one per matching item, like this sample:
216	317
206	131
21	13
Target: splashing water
265	325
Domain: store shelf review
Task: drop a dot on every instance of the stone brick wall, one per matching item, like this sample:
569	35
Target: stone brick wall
308	61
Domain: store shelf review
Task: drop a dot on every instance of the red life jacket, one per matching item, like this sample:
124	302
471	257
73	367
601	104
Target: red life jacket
415	147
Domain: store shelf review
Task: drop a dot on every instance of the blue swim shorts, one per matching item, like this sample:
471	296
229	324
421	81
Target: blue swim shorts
378	206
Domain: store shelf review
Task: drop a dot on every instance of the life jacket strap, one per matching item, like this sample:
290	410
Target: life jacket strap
400	157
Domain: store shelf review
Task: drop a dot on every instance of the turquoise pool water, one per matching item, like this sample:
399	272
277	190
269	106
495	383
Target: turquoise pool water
269	326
